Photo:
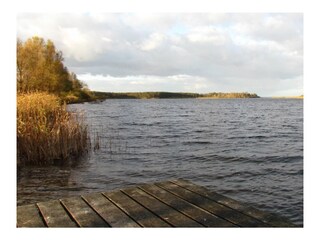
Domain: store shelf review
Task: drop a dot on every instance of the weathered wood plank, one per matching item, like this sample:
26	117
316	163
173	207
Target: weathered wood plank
141	215
169	214
205	218
108	211
55	215
84	215
266	217
213	207
177	203
29	216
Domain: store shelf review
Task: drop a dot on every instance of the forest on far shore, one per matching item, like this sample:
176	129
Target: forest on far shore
150	95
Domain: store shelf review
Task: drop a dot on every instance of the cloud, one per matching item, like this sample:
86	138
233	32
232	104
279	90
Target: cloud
219	52
154	41
174	83
77	44
206	34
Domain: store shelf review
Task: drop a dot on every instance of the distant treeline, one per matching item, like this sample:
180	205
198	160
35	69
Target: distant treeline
150	95
230	95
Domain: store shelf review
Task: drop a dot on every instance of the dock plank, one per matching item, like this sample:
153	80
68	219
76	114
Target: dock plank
168	214
108	211
55	215
29	216
213	207
84	215
205	218
174	203
141	215
266	217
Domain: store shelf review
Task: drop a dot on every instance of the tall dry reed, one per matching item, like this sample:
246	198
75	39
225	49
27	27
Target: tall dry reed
46	132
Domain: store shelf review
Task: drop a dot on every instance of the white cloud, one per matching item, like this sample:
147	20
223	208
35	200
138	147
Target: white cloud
100	17
154	41
284	30
81	45
76	44
106	39
174	83
207	34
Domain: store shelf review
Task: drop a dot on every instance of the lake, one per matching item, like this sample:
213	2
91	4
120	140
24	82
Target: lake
248	149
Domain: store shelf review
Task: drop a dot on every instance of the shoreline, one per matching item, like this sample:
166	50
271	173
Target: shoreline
170	95
290	97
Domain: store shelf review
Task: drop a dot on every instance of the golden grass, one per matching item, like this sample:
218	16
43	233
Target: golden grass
46	132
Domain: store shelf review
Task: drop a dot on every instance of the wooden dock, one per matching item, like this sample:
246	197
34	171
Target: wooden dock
177	203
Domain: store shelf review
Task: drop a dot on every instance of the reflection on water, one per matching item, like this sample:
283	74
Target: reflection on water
248	149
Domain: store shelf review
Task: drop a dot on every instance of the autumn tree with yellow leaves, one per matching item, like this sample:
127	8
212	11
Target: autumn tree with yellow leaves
40	68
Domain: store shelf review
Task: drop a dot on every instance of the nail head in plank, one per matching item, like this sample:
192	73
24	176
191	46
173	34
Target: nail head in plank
205	218
169	214
29	216
84	215
108	211
141	215
55	215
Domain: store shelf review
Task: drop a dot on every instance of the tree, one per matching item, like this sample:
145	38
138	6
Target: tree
76	83
40	68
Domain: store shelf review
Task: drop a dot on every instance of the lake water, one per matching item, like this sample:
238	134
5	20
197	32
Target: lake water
248	149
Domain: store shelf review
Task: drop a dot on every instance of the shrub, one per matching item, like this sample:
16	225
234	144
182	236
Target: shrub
46	132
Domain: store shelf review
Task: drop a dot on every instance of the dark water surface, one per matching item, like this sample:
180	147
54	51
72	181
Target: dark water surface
248	149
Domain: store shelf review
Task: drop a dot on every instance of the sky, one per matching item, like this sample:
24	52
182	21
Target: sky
178	52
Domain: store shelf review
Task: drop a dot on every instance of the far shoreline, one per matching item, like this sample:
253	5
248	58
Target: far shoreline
288	97
171	95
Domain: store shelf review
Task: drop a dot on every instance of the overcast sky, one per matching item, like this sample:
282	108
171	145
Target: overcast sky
179	52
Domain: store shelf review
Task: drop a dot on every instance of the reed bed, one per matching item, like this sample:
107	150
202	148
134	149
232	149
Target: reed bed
47	133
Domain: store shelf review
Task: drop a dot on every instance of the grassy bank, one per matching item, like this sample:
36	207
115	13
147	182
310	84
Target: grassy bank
46	132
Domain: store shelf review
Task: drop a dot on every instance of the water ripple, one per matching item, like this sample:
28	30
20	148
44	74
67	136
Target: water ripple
248	149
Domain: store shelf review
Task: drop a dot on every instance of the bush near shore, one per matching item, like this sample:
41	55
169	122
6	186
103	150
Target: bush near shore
46	132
